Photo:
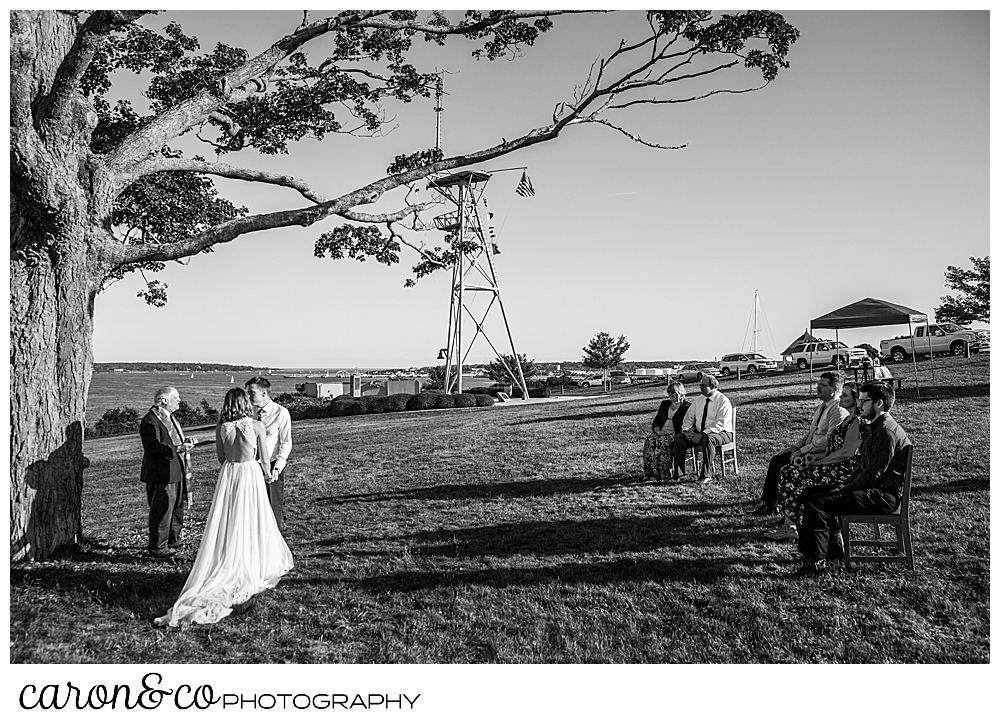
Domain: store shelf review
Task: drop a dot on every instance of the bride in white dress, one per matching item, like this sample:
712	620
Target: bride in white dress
242	551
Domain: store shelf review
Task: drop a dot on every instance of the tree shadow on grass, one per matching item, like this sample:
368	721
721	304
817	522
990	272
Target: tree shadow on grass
773	400
514	489
941	392
735	386
601	573
604	536
953	486
587	416
114	578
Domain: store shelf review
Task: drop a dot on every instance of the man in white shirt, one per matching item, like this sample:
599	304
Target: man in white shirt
707	424
278	438
825	418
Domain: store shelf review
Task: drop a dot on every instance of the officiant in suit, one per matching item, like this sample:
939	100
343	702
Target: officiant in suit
165	463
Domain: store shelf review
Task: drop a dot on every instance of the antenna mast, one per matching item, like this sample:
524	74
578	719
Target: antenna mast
438	109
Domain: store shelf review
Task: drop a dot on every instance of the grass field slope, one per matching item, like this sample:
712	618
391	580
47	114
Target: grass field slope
525	535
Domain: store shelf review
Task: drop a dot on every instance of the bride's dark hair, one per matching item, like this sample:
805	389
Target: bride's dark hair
237	405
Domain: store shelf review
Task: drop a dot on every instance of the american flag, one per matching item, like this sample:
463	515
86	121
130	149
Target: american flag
524	187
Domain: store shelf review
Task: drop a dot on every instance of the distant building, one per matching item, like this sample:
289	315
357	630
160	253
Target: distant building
326	390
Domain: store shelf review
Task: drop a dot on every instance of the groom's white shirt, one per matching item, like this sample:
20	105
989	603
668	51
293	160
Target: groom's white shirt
278	427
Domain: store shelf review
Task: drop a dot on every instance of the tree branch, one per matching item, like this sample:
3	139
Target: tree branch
591	99
462	28
428	256
630	135
161	164
667	101
232	86
91	36
385	218
340	206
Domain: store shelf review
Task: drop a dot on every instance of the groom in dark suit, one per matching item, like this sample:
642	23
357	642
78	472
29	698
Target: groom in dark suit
163	471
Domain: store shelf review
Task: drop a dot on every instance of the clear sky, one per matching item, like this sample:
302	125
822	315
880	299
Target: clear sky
862	171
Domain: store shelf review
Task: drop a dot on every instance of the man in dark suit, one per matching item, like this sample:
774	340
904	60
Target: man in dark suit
163	471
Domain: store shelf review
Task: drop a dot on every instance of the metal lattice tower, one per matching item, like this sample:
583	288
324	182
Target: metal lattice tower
472	271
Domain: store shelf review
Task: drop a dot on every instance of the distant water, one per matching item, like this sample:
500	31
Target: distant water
136	389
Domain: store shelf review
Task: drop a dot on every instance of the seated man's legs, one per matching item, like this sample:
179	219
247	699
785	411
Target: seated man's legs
709	444
821	511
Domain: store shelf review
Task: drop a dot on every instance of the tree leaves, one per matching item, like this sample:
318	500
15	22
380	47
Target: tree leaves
357	242
164	208
503	369
404	163
604	351
973	302
732	33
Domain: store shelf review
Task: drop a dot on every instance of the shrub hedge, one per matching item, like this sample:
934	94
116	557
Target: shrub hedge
301	407
533	392
422	401
345	405
125	420
516	393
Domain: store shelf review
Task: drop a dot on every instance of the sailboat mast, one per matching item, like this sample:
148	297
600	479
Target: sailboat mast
753	347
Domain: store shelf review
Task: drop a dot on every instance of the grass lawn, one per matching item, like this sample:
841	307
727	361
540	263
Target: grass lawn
524	535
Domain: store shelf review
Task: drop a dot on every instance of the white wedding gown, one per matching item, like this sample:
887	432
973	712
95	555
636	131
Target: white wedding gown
242	551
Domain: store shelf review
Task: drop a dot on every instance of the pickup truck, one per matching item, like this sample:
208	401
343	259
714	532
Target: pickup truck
930	338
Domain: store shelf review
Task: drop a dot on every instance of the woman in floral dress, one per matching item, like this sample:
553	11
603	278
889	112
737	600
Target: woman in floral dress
658	450
840	463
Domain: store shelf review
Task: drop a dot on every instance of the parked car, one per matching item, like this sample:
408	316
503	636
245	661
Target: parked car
595	381
825	352
747	363
619	377
984	339
688	373
930	339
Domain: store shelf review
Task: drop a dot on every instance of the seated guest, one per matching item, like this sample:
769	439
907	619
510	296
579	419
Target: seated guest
707	424
874	490
658	451
840	463
827	416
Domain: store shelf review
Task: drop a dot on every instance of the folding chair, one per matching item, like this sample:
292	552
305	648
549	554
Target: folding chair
900	521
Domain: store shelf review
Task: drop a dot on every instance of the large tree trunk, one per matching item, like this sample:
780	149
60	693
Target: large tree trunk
51	353
53	264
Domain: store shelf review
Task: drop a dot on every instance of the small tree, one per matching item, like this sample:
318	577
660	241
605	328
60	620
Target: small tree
872	352
503	370
437	377
118	420
973	301
203	414
604	352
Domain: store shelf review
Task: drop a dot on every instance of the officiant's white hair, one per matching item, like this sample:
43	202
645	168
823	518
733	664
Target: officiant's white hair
162	393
